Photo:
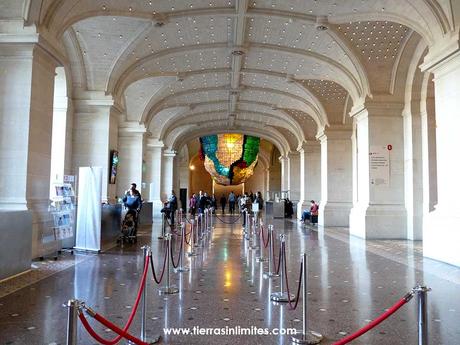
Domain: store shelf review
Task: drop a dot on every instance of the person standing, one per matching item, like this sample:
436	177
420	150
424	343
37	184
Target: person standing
231	202
223	203
259	201
172	205
202	202
133	203
192	204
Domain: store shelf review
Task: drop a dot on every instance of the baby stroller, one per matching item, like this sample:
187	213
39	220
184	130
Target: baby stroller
129	227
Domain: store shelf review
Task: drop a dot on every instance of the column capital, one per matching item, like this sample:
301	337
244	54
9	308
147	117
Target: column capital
169	153
441	55
87	101
384	107
131	128
293	154
334	133
309	145
152	142
283	158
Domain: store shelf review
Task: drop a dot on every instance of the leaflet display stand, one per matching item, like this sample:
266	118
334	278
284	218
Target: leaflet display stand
62	210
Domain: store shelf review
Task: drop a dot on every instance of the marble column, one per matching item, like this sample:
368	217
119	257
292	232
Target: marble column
130	154
95	135
336	176
294	176
441	234
310	175
154	179
167	173
284	161
379	207
26	117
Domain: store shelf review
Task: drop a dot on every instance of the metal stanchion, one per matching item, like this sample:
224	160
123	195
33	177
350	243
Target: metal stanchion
282	296
261	257
253	234
211	221
72	318
422	296
163	226
270	272
198	228
146	251
307	337
206	221
192	238
168	289
181	267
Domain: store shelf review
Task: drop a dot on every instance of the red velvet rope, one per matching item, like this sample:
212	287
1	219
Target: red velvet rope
263	237
158	281
131	316
175	265
373	323
276	267
103	341
292	306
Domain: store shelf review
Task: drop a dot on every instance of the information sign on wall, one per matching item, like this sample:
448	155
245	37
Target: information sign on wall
379	166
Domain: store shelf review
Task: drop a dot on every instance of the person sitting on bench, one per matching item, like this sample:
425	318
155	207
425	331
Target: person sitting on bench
308	214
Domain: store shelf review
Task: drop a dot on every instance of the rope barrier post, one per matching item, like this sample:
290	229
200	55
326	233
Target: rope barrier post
72	318
253	234
168	289
422	306
270	272
163	226
307	337
146	251
199	221
211	222
192	238
261	257
282	296
181	267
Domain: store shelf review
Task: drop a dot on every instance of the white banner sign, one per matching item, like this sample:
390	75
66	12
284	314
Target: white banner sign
88	234
379	166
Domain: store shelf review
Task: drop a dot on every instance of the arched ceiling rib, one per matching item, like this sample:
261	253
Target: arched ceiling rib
234	60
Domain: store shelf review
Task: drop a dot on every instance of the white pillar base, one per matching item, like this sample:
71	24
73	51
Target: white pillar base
334	214
378	222
441	236
157	205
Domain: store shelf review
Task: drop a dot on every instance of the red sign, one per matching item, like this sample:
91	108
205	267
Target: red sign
390	147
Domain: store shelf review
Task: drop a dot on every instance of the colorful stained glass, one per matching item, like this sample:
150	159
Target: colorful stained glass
230	158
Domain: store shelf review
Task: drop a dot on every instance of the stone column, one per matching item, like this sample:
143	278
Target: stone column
441	234
413	179
284	173
95	135
167	173
154	160
379	211
310	175
336	176
130	153
294	176
26	117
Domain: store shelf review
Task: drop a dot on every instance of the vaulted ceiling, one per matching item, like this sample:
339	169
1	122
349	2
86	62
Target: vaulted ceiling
282	69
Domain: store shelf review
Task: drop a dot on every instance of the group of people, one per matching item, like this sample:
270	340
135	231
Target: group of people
202	200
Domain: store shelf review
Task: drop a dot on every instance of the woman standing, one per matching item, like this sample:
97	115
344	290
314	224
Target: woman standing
192	203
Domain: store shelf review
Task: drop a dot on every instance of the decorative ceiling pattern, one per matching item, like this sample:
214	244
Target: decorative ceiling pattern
291	65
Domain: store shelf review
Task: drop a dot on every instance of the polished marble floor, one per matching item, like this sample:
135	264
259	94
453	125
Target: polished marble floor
350	282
